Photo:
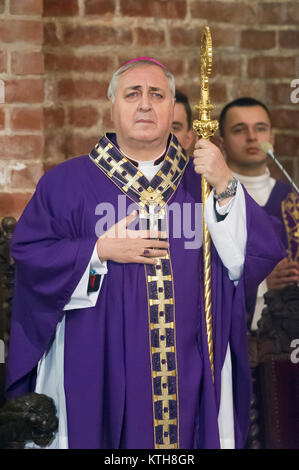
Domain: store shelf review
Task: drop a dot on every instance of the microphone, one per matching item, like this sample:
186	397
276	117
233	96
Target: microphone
268	149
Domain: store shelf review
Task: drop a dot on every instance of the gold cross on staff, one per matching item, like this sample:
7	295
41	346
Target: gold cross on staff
205	128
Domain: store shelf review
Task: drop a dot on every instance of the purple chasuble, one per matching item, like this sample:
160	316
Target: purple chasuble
273	205
111	371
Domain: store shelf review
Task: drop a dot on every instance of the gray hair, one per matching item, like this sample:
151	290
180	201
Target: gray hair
113	81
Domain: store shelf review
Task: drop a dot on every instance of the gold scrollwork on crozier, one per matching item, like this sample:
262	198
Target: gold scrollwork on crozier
290	212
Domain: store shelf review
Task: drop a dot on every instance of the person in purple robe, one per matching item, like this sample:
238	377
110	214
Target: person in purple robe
108	315
245	123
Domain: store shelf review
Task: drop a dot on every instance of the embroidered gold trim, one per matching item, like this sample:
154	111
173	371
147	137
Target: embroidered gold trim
166	429
144	195
290	213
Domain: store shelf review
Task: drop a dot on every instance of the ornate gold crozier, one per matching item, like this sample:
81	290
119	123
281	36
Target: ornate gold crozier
205	128
290	213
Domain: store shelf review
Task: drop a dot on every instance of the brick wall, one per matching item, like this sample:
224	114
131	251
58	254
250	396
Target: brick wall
21	115
56	58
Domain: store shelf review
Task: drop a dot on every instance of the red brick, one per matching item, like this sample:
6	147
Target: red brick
26	119
54	117
26	178
51	34
276	173
155	8
71	63
272	67
285	118
12	31
83	116
2	119
24	63
287	144
75	35
68	145
278	93
3	61
26	7
218	94
228	12
225	65
69	89
289	39
13	204
80	144
99	7
20	147
247	87
221	36
176	66
279	13
224	36
181	36
56	145
255	39
149	37
106	120
61	8
24	91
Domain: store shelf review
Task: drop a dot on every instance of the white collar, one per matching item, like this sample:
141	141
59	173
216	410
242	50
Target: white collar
255	182
144	162
259	187
148	167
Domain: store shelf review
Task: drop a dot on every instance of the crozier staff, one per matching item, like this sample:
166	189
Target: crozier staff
112	326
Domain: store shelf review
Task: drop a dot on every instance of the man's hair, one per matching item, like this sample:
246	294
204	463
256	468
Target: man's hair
131	65
239	102
180	97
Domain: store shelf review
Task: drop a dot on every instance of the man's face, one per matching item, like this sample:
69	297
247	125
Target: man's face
180	126
245	128
142	111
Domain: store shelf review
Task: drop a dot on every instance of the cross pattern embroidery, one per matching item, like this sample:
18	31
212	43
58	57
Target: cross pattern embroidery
163	350
116	167
151	217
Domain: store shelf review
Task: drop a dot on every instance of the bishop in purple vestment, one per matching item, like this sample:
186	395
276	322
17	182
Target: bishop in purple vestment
136	370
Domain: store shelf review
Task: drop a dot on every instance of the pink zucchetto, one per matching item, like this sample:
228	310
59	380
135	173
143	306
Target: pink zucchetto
145	59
